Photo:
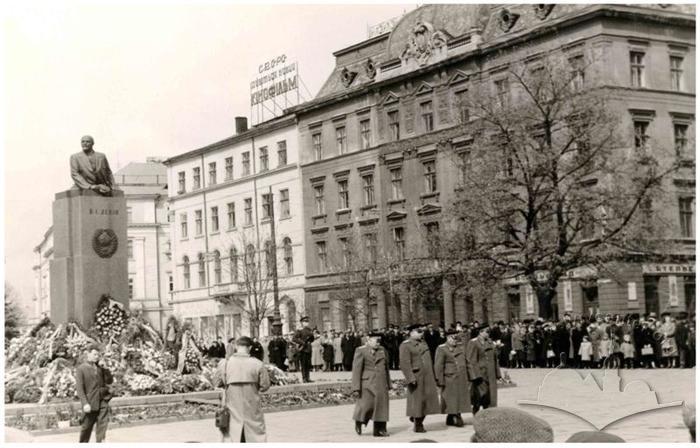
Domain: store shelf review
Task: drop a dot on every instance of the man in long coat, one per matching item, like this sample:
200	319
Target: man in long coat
451	377
303	339
243	378
417	367
483	370
371	382
347	344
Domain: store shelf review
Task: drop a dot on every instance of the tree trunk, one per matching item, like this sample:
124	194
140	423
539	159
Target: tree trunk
545	297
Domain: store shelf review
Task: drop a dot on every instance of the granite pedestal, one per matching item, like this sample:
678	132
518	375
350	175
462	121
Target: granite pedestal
90	254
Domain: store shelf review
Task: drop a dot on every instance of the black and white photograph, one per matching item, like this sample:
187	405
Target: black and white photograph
373	222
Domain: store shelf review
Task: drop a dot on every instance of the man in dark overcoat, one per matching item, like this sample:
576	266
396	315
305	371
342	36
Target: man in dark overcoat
417	367
451	377
347	346
483	370
91	385
371	384
303	339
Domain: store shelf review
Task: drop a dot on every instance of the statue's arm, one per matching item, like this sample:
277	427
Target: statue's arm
110	175
78	178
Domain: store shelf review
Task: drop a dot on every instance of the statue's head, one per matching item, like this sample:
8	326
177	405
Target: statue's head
87	142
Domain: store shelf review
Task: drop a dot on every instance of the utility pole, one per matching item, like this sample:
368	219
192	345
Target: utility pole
276	319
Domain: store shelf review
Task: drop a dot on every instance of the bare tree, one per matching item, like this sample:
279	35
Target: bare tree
549	181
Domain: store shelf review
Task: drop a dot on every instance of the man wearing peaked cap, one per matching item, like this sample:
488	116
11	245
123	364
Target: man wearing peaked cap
483	370
303	339
371	383
510	425
417	367
451	377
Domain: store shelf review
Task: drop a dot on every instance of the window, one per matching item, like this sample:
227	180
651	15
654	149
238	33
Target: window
465	162
248	210
215	219
344	251
426	113
577	72
343	195
636	69
394	126
316	143
677	73
368	188
129	215
371	247
267	206
680	135
321	256
246	163
131	287
183	225
462	105
217	268
429	176
250	261
196	179
233	261
212	173
171	283
181	182
641	138
229	168
365	134
284	203
502	92
396	183
264	159
202	270
198	222
186	272
341	140
282	153
685	208
288	258
130	249
432	233
399	242
231	215
318	199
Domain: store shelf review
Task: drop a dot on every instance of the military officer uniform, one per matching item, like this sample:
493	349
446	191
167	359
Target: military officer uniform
417	367
370	379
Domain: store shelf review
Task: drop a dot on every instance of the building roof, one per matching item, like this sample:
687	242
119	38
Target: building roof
138	190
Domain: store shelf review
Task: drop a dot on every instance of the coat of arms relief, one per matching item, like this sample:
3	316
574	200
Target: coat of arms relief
423	43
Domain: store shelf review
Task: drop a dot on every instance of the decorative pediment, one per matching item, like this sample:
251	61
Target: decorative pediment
396	215
347	76
507	20
423	89
423	42
542	10
458	77
429	209
370	68
316	230
390	98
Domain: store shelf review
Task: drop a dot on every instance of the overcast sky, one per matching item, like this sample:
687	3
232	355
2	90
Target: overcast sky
150	80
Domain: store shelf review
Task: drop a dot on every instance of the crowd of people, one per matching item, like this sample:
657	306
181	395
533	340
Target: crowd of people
630	341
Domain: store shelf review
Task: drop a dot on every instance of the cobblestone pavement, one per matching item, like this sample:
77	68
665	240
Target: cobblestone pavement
334	424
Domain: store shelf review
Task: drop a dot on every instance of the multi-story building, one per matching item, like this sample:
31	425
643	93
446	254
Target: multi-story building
150	275
375	145
222	202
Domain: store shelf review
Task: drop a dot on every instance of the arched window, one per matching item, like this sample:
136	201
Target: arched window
217	267
233	256
250	262
202	270
186	272
269	258
288	259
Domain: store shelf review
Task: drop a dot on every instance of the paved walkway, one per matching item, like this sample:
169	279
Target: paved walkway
334	424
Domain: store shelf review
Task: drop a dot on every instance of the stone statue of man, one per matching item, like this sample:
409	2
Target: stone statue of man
90	170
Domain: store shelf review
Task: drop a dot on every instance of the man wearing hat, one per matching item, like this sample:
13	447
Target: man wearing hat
371	383
483	370
451	377
243	378
303	339
417	368
91	384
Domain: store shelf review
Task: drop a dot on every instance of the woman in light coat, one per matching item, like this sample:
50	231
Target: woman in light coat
669	347
337	352
316	353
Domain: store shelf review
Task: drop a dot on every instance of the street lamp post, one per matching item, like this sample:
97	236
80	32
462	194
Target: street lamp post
276	318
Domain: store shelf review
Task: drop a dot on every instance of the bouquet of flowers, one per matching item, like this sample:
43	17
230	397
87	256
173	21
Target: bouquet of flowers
110	319
63	385
140	383
278	377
